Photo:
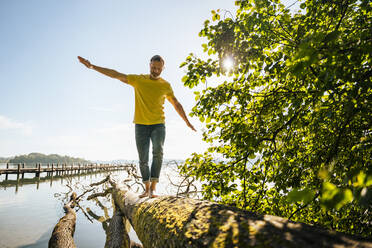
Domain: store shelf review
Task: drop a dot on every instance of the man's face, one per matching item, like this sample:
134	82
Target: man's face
156	67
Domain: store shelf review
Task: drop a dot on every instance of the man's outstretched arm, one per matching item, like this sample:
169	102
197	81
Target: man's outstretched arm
178	107
108	72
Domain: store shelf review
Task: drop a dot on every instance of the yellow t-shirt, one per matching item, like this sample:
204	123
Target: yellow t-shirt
149	98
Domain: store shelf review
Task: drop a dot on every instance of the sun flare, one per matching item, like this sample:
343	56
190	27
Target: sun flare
228	63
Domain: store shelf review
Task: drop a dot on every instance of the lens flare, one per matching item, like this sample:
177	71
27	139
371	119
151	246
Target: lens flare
228	63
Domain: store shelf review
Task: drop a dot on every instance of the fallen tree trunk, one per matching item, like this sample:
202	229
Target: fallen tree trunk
182	222
63	232
117	233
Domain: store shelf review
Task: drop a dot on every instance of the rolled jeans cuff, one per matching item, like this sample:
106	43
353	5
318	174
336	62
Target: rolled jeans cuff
153	179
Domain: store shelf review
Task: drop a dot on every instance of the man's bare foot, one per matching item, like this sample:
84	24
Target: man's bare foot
152	195
144	194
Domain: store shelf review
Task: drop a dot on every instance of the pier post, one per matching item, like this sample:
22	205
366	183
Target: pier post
6	174
51	178
23	170
17	185
38	168
38	182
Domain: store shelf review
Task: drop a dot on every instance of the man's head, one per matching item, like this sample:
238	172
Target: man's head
156	66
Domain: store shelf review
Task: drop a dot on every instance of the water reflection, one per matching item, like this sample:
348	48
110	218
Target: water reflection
20	179
97	205
35	204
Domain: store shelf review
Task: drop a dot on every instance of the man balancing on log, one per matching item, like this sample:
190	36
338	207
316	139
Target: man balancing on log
150	91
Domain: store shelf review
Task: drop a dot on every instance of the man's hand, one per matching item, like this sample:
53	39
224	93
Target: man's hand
85	62
105	71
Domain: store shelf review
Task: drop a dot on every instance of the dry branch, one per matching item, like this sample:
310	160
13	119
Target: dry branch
100	194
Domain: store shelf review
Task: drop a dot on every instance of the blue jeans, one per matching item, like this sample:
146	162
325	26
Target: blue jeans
145	133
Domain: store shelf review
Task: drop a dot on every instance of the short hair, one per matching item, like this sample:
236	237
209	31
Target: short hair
157	58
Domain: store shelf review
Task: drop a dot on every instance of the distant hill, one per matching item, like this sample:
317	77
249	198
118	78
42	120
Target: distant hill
42	158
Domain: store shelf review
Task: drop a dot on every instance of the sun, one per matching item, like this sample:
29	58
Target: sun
228	63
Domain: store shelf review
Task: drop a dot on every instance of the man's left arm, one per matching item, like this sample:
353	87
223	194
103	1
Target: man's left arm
178	107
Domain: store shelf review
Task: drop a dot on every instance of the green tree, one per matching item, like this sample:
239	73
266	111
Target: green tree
42	158
290	131
4	160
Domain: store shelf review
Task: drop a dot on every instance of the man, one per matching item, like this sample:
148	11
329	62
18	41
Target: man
150	92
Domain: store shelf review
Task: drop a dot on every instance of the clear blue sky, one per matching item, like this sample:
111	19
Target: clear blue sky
50	103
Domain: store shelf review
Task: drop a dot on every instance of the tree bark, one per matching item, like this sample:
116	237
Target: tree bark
63	232
182	222
116	235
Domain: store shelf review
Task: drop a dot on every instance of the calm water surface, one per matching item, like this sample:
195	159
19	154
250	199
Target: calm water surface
31	208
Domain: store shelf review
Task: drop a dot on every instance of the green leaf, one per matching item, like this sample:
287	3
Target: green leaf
332	36
304	195
185	78
333	197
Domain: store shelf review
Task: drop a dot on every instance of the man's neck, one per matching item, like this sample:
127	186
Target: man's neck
154	78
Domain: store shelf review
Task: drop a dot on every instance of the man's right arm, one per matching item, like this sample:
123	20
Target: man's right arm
108	72
178	107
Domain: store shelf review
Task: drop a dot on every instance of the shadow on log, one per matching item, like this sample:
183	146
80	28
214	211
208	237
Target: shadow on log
182	222
63	232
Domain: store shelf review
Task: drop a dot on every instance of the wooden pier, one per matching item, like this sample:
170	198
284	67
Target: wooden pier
58	169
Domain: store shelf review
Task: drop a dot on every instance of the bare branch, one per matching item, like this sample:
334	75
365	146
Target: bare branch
100	194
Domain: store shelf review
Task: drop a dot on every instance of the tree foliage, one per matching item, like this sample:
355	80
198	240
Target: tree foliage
290	130
4	160
42	158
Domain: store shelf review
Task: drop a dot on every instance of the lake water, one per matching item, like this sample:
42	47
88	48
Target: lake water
31	207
